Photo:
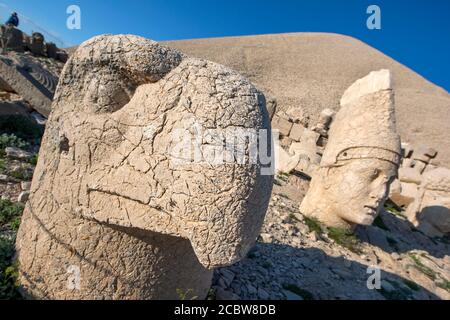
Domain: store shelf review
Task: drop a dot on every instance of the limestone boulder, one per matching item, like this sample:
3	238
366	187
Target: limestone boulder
128	200
430	211
284	161
51	50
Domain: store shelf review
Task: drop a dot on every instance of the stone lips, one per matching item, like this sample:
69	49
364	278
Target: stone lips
106	195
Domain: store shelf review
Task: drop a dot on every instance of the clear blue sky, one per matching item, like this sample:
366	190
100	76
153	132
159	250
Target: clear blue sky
414	32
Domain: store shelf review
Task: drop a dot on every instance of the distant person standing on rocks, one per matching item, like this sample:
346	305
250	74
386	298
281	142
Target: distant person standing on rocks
13	20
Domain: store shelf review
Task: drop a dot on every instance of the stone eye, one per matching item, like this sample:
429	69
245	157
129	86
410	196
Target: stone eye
375	173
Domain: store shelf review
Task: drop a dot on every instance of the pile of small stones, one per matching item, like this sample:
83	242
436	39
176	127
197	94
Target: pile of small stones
291	261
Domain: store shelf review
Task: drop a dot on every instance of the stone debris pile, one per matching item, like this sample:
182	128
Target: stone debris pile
13	39
423	191
300	148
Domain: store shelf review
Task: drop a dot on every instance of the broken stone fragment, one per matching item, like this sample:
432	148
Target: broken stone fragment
285	162
424	154
325	118
297	132
37	44
4	178
430	211
113	197
51	50
420	166
13	38
25	185
16	153
307	147
403	193
407	150
271	107
295	115
409	175
372	83
361	158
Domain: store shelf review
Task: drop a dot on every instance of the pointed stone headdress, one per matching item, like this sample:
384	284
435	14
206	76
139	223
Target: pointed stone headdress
364	127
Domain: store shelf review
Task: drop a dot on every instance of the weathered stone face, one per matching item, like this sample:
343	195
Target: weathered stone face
430	211
361	158
109	163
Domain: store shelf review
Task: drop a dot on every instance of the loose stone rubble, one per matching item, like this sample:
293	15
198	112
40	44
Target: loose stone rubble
13	39
430	211
30	67
293	259
111	202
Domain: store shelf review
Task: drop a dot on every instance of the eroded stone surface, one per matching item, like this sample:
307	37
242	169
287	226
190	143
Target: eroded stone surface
361	158
111	201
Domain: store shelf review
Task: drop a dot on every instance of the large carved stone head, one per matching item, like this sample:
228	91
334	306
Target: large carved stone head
430	211
361	158
123	109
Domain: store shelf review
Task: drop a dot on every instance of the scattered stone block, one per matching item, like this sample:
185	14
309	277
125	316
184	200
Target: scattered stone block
307	146
285	142
4	178
404	194
16	153
25	185
306	167
305	150
31	81
409	175
271	107
62	56
51	50
12	38
424	154
297	132
282	125
37	45
23	197
430	211
375	81
408	163
295	115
